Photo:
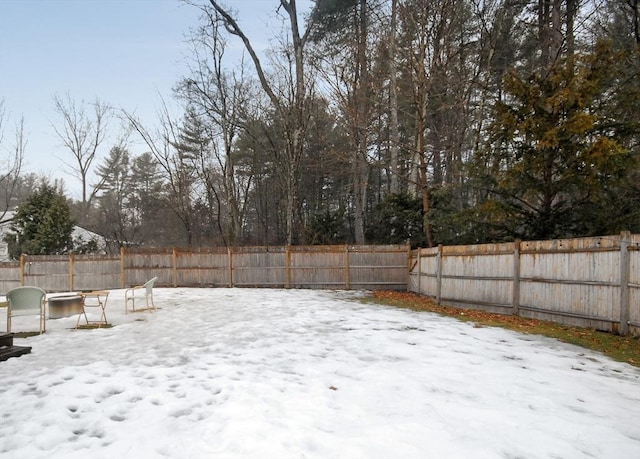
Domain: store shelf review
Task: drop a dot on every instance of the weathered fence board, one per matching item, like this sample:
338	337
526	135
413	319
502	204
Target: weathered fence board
326	269
377	267
634	282
258	267
201	269
63	273
139	267
89	273
476	274
591	282
47	272
10	277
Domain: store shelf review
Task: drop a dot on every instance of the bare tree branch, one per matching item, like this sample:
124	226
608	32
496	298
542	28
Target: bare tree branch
11	165
82	134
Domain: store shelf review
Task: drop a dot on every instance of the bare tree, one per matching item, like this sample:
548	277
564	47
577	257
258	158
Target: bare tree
82	132
291	106
11	158
221	99
177	168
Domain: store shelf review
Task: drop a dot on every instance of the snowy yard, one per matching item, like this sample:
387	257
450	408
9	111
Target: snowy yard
252	373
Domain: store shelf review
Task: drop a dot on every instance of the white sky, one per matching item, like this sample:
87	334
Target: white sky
278	374
127	53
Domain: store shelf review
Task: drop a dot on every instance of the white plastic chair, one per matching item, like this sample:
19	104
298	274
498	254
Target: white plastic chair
26	301
130	295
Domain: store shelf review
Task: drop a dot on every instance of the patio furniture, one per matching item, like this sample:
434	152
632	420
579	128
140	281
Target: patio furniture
8	349
145	289
26	301
96	299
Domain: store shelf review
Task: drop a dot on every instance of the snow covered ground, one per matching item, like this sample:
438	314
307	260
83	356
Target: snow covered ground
252	373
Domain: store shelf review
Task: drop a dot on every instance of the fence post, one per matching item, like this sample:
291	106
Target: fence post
123	277
625	240
174	271
347	268
419	274
22	264
230	264
439	274
287	267
515	300
71	270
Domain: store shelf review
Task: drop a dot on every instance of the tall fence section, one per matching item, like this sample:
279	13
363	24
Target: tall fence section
589	282
322	267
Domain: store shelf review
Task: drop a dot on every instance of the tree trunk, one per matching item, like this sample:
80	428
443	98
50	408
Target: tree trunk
360	167
394	134
294	124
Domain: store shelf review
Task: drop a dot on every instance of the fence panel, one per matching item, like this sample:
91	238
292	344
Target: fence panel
9	276
51	273
141	265
318	267
578	279
478	274
202	269
95	273
423	271
378	267
589	282
259	267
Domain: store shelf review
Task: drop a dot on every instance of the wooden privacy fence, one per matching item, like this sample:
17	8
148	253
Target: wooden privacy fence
589	282
333	267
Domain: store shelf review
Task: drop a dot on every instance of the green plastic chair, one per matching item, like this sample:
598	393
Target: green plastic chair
26	301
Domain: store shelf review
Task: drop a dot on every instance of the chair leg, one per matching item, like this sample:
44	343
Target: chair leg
131	298
42	323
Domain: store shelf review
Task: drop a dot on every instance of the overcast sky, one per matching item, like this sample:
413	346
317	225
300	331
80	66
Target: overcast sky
127	53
